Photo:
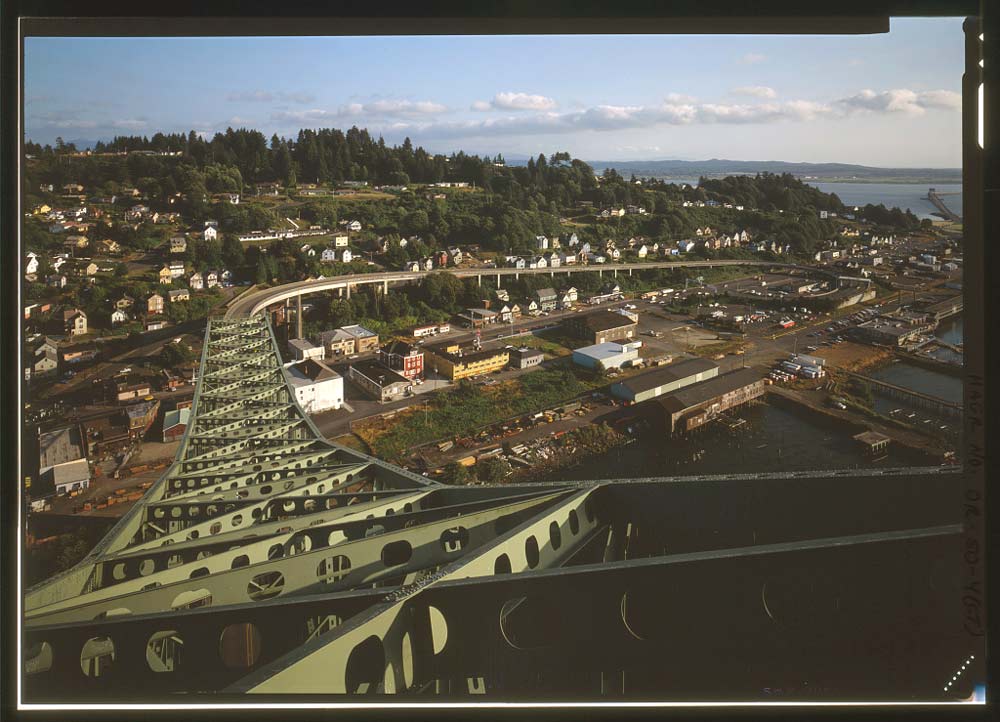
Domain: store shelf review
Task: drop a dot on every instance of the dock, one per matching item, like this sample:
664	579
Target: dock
936	201
917	398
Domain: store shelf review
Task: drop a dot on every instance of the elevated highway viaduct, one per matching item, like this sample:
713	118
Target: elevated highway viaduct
257	301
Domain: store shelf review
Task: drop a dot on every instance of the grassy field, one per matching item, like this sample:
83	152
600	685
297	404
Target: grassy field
468	407
353	441
551	346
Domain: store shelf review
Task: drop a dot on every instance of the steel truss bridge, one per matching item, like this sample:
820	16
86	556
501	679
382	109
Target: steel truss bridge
268	562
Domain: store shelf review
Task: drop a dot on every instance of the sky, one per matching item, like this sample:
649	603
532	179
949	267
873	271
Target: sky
889	99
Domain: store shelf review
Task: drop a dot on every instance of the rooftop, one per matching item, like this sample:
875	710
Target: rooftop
465	354
606	350
71	471
59	446
668	374
400	348
605	320
175	417
525	352
871	438
358	331
302	344
311	371
704	391
382	375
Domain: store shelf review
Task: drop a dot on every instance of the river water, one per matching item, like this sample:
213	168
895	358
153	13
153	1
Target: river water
773	439
891	195
896	195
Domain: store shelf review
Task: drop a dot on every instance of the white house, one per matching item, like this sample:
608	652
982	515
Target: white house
328	255
541	243
31	267
317	386
642	251
346	256
573	240
354	225
118	317
196	282
226	278
211	279
211	232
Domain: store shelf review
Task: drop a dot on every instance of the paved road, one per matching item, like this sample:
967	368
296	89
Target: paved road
256	301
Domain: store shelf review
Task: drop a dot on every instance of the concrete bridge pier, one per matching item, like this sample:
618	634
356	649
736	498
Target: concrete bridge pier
616	273
479	279
517	276
552	274
298	316
385	287
498	280
600	273
630	271
348	287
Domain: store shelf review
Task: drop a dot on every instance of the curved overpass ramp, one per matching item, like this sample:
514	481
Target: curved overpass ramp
256	301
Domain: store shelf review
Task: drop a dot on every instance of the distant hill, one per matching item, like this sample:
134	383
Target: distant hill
812	171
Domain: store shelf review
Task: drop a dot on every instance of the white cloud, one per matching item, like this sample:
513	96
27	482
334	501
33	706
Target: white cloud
680	98
515	101
267	96
373	109
901	100
130	123
402	107
945	99
757	91
752	59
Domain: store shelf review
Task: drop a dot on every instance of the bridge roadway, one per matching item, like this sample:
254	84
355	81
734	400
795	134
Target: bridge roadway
256	301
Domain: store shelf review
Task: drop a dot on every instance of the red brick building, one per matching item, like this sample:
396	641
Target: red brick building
403	358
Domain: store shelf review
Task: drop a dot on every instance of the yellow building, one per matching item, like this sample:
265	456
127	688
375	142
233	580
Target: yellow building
454	362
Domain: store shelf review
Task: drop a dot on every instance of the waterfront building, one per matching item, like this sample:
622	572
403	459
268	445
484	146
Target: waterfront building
873	441
664	380
697	404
